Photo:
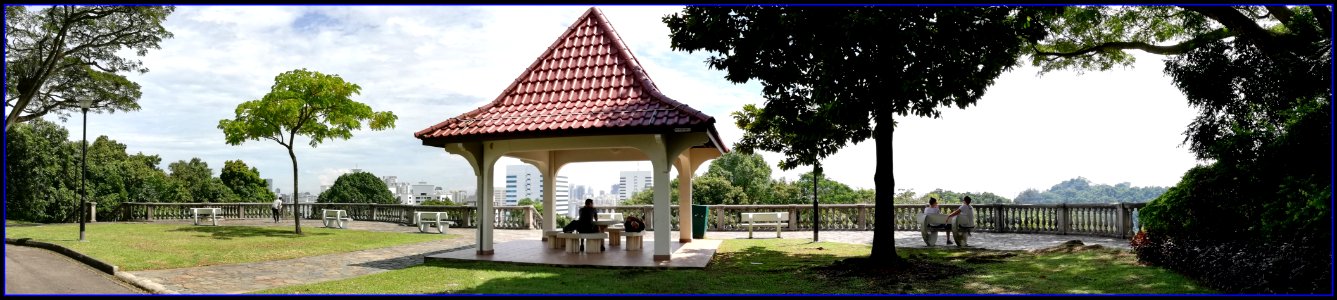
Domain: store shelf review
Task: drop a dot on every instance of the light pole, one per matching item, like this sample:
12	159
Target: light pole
83	176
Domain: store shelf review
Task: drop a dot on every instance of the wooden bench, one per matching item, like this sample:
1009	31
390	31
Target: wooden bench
426	219
213	213
773	219
338	217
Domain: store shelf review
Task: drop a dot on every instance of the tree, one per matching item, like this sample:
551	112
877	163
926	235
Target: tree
714	190
438	202
647	196
1080	190
358	187
306	103
907	196
538	206
245	182
748	172
838	75
61	55
192	175
1261	80
41	173
829	191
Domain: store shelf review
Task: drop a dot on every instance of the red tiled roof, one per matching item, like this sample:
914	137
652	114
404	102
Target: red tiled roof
586	83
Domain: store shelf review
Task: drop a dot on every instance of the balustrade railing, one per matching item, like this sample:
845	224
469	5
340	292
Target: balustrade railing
1115	220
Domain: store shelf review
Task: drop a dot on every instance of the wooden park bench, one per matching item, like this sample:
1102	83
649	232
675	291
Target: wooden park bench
772	219
426	219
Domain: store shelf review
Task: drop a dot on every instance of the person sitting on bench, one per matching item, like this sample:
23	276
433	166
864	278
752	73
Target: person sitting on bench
585	224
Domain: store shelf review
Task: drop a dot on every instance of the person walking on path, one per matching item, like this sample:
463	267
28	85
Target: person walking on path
276	207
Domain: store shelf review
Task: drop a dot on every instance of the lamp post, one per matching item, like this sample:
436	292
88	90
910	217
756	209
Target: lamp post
83	176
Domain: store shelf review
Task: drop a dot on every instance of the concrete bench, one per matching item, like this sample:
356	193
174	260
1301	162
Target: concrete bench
772	219
212	213
426	219
335	217
552	241
930	225
634	240
593	241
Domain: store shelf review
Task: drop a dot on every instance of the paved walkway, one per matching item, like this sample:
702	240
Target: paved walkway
31	270
241	278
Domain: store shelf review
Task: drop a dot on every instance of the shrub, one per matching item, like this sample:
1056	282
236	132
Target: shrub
1241	266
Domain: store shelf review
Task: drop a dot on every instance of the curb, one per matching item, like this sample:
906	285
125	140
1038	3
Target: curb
93	262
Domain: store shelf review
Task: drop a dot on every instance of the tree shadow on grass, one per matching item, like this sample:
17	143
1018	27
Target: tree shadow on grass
396	263
231	232
1065	269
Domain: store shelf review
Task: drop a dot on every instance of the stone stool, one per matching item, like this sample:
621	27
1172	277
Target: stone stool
634	240
550	238
593	242
614	235
572	241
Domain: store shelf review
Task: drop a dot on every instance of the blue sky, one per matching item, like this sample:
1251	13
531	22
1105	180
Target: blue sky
430	63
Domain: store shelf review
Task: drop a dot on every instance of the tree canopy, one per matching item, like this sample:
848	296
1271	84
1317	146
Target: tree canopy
306	103
1260	77
832	76
245	182
57	56
1080	190
358	187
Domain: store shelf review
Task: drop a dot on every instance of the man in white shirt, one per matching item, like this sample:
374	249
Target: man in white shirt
277	207
966	212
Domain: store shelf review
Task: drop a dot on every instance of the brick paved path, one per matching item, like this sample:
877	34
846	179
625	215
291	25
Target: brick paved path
241	278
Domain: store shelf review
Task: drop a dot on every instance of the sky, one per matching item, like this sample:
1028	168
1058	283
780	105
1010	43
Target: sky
430	63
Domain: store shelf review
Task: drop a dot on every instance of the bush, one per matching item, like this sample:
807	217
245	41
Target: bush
562	220
1239	266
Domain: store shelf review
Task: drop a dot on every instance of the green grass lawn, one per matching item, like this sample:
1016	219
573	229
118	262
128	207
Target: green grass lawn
768	266
135	247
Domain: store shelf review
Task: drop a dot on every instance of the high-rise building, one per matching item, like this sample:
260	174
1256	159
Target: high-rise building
498	196
525	181
269	183
422	192
459	197
632	182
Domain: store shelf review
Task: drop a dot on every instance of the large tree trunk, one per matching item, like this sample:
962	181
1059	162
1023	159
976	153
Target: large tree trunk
884	215
296	207
14	114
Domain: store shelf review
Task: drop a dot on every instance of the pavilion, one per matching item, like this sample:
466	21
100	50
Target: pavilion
585	99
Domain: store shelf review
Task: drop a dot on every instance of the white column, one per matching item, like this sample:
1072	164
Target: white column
486	212
663	229
685	199
549	171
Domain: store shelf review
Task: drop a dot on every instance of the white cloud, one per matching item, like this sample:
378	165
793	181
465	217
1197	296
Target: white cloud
430	63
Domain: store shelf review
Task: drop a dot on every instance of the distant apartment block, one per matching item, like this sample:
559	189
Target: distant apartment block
525	181
632	182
